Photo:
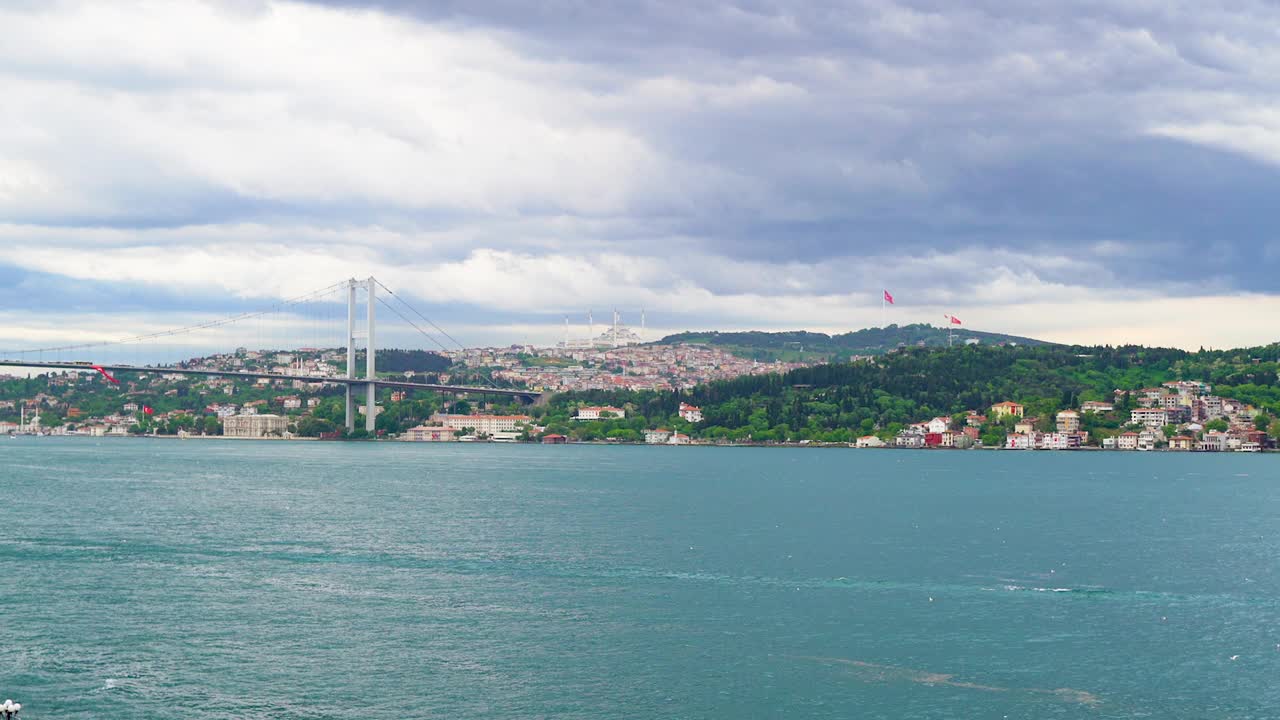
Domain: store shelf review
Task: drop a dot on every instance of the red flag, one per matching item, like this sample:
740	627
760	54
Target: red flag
106	374
148	410
955	320
887	297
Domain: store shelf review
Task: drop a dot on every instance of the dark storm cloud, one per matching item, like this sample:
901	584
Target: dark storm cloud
939	127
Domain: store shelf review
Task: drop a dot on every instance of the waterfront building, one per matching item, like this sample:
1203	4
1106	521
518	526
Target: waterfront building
657	437
1147	440
908	439
1181	442
255	426
1019	441
486	424
1127	441
1213	441
429	433
869	441
1068	421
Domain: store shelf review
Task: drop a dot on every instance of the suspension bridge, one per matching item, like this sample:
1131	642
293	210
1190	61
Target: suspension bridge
312	321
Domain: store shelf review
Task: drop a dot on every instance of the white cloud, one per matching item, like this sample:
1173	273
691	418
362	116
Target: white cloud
262	149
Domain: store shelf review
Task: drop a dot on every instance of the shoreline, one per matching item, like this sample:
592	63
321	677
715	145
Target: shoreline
794	446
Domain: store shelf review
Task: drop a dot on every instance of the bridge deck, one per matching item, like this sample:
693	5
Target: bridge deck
250	375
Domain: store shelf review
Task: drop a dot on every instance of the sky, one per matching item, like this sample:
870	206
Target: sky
1103	171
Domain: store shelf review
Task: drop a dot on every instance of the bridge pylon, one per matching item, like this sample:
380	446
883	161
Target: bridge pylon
371	387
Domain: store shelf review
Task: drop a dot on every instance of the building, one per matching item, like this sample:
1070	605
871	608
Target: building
1147	440
691	413
1154	417
869	441
484	424
554	439
657	437
1058	441
1127	441
1213	441
1019	441
255	426
1006	408
939	425
906	439
1095	406
678	439
1181	442
1068	421
429	433
1026	426
599	413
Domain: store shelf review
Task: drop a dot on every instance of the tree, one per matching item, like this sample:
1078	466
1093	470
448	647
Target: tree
1261	421
212	426
1170	430
1219	425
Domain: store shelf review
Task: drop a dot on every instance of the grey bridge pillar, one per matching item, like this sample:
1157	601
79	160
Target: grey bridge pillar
371	387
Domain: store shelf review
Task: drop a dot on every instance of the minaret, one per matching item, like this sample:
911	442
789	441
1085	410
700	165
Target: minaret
615	327
641	324
591	330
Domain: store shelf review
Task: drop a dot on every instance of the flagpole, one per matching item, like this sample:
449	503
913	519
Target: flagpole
882	325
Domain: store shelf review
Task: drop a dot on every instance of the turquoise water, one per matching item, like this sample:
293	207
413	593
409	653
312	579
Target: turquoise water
168	579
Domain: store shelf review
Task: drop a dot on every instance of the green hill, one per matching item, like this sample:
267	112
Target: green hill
798	344
837	402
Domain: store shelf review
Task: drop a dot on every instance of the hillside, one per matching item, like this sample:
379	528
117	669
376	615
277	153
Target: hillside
837	402
870	341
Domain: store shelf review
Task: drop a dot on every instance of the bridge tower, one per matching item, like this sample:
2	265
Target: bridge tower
371	387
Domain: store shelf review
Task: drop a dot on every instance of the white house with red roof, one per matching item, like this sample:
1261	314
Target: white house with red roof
691	413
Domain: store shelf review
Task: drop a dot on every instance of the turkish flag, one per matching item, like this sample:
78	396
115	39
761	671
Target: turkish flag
887	297
955	320
148	410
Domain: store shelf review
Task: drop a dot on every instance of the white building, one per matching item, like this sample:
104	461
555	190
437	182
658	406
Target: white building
1020	441
657	437
906	439
487	424
1151	417
254	425
869	441
678	439
429	433
691	413
599	413
939	425
1058	441
1127	441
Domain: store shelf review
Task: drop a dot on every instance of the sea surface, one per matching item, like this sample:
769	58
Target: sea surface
219	579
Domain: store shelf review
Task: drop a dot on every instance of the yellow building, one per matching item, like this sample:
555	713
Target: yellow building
1006	408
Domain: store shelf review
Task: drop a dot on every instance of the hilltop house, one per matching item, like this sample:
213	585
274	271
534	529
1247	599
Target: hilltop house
1006	408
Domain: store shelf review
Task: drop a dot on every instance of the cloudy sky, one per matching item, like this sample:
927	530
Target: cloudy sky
1103	172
